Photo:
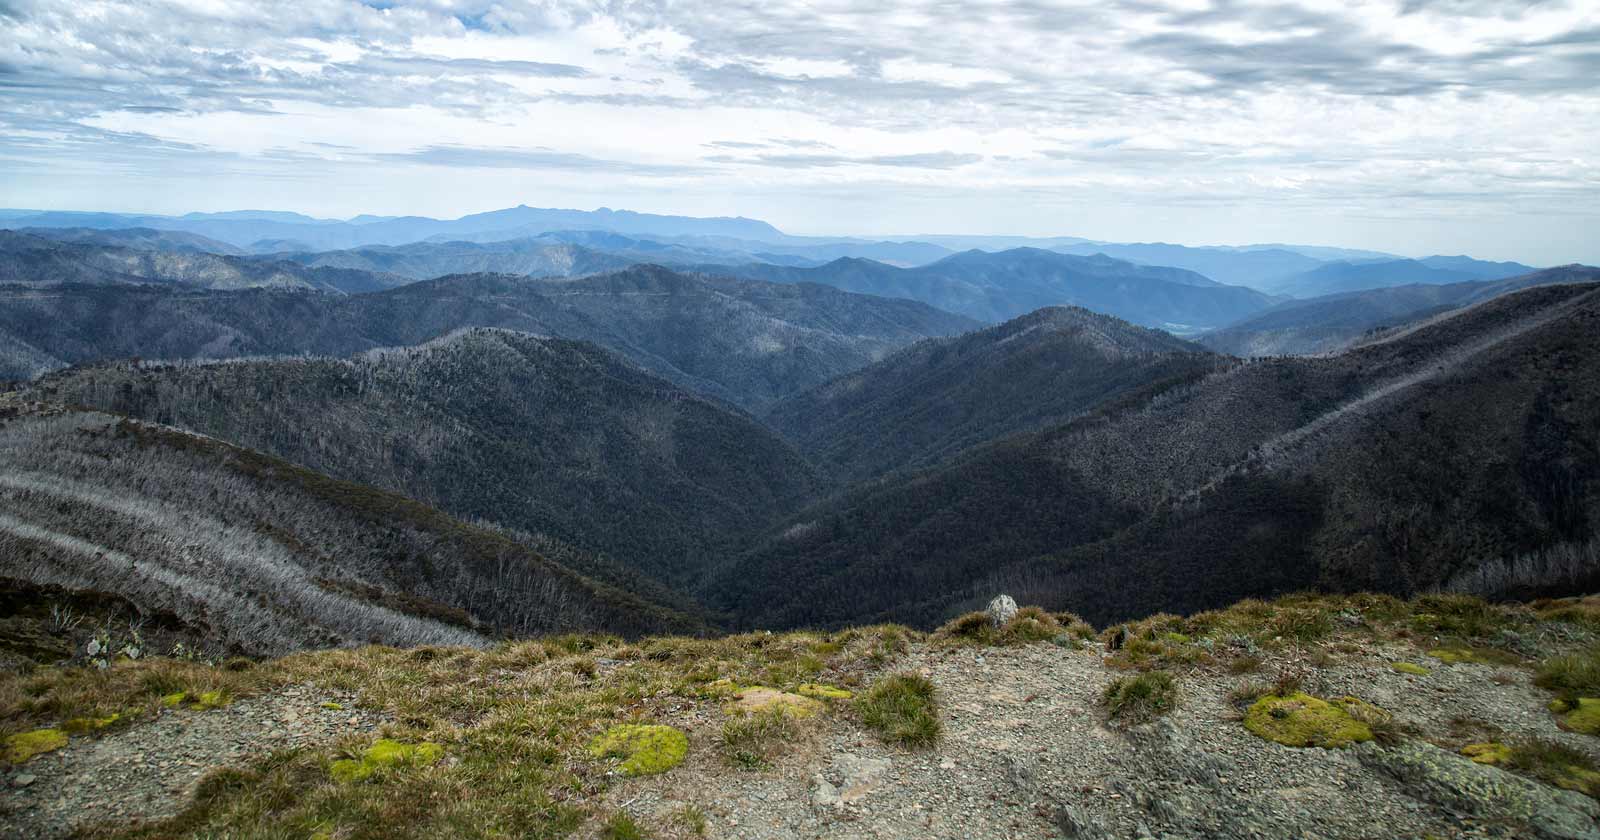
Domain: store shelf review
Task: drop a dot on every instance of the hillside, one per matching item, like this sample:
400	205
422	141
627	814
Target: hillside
1332	322
996	287
36	262
745	342
1258	269
1463	446
245	553
145	239
1345	276
546	435
424	260
1333	717
941	396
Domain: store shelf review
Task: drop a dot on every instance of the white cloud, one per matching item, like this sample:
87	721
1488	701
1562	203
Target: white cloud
1443	118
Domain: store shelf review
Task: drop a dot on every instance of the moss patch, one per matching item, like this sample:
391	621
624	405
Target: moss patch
175	699
644	749
1411	668
823	691
1474	656
212	700
382	754
1300	720
26	745
759	698
332	706
1581	714
83	726
1490	753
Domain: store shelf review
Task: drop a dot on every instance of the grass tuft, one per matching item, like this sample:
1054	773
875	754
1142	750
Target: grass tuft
1140	699
901	708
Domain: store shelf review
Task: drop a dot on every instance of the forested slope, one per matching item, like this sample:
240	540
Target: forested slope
1439	454
260	556
546	435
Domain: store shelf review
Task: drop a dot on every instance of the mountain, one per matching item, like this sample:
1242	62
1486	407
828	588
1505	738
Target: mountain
999	286
142	239
1463	447
245	228
1328	323
746	342
424	260
34	261
257	556
944	395
545	435
1335	277
1259	269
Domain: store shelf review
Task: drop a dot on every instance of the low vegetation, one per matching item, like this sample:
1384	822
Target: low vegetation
902	709
1030	624
1141	698
1301	720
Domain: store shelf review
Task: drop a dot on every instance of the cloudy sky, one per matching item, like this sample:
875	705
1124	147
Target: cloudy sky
1416	126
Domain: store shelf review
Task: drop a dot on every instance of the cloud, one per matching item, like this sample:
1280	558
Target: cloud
505	158
1438	108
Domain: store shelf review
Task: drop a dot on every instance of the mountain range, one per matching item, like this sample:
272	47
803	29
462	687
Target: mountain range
498	429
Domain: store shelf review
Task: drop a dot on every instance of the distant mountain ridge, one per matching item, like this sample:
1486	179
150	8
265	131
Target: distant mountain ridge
37	262
746	342
1332	322
996	287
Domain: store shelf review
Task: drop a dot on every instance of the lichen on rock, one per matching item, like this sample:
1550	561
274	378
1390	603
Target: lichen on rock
1300	720
645	749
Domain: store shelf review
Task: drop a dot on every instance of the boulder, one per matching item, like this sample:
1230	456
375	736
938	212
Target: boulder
1001	610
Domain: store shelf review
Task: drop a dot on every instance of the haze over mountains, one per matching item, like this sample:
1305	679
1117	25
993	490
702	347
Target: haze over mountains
643	423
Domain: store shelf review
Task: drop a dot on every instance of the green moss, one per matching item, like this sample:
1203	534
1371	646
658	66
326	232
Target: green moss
1489	753
332	706
175	699
1180	638
1300	720
759	698
721	688
1475	656
1581	714
212	700
1411	668
385	753
644	749
823	691
26	745
83	726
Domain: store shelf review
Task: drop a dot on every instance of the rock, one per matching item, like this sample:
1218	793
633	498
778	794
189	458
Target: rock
823	793
1074	824
22	780
1487	792
858	776
1001	610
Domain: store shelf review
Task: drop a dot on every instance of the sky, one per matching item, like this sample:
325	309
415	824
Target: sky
1410	126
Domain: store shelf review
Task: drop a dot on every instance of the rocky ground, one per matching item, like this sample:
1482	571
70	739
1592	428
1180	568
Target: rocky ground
150	770
1026	752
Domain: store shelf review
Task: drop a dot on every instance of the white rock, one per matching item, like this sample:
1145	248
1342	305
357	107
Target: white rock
1001	609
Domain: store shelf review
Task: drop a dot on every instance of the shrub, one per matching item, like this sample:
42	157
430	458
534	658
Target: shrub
1140	699
902	709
